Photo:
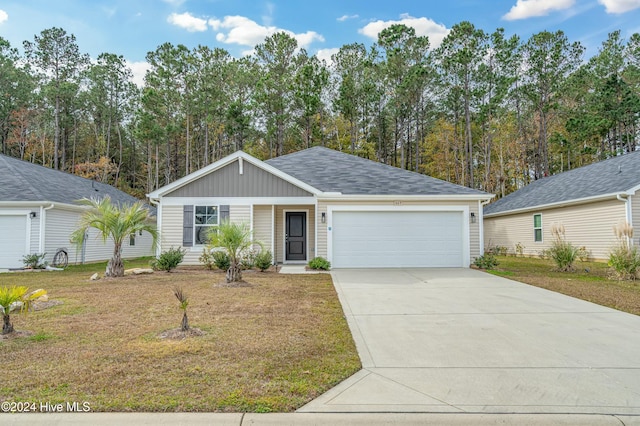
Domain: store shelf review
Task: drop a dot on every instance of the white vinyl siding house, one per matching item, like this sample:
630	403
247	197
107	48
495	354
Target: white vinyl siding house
41	205
588	202
287	211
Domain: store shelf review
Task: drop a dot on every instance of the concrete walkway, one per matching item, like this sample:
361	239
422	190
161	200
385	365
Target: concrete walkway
463	341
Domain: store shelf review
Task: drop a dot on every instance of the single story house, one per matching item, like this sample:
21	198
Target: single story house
319	202
588	201
38	213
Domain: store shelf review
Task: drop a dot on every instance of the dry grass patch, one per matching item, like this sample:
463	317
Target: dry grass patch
590	281
272	346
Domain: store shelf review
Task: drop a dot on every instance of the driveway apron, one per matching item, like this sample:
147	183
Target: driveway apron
461	340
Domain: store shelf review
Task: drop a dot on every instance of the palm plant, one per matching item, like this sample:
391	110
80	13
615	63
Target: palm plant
184	302
10	295
115	222
234	239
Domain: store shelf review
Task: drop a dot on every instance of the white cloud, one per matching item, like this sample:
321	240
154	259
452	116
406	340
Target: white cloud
3	16
326	54
619	6
346	17
246	32
139	69
423	26
188	22
524	9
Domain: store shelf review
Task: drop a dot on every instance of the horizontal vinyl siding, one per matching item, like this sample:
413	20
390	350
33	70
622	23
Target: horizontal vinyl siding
474	228
587	225
240	214
61	224
635	217
262	225
171	232
58	228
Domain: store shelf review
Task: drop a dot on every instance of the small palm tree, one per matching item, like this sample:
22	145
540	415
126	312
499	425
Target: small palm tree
233	238
115	222
184	302
10	295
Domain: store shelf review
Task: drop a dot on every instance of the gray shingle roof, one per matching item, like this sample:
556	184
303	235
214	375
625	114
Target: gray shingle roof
615	175
333	171
24	181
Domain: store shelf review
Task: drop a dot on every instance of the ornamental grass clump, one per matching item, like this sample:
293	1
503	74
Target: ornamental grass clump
562	252
624	258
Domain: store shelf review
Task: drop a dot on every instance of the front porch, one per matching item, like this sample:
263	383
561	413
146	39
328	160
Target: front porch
289	231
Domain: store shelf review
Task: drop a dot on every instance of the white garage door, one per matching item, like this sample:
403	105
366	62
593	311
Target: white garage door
369	239
13	240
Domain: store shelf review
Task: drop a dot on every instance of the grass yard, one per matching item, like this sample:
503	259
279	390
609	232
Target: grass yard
272	346
594	285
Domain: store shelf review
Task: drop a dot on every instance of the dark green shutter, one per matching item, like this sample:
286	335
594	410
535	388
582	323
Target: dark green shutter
187	226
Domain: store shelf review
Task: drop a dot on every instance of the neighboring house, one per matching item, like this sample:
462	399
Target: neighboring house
588	201
38	213
319	202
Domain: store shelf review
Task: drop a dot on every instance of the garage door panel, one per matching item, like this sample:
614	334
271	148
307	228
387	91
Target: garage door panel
13	243
397	239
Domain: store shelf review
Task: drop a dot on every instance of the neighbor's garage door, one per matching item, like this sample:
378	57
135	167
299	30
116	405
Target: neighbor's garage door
397	239
13	240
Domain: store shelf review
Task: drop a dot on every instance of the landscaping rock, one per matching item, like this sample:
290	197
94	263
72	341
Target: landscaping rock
138	271
15	306
94	277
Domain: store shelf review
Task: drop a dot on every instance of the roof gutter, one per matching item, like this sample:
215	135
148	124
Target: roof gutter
327	196
558	204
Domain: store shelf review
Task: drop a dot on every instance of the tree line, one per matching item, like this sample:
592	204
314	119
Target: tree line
485	110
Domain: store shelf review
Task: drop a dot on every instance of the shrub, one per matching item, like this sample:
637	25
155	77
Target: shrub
206	258
320	263
562	252
221	260
168	260
248	259
519	250
264	259
34	261
486	261
624	259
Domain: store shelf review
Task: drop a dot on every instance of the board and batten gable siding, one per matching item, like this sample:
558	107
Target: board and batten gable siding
586	225
228	182
474	228
279	234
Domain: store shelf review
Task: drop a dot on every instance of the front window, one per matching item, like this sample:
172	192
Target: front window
205	220
537	228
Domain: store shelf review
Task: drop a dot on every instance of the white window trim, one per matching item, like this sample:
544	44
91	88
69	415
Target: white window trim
540	228
217	206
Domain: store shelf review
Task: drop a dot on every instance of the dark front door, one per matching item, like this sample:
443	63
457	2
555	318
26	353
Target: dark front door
295	236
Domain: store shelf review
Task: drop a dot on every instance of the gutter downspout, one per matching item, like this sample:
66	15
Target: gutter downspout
43	217
627	202
481	205
156	203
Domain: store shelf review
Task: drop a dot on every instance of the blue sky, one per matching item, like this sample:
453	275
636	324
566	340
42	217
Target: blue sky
134	27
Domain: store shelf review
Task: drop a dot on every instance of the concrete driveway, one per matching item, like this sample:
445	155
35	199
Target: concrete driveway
460	340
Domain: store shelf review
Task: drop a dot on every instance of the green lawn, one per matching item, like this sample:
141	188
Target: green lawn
270	346
590	281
